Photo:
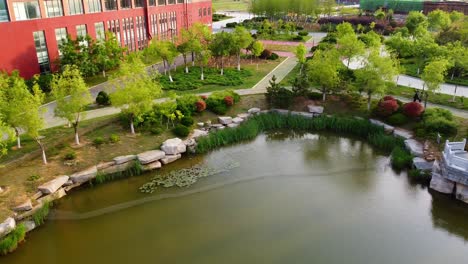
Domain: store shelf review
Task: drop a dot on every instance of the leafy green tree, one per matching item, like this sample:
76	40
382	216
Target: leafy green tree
242	40
344	29
201	37
456	16
323	70
203	57
438	20
371	39
457	54
379	14
433	76
257	49
424	49
18	105
401	45
107	53
349	46
222	46
414	20
376	75
135	89
165	50
72	95
301	52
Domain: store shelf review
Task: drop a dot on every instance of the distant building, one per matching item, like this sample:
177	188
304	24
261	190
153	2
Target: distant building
448	6
31	30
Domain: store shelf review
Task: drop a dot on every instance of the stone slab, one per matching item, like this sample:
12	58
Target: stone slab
105	165
422	164
152	166
29	225
116	168
232	125
225	120
84	176
254	110
243	115
53	185
150	156
7	226
440	184
52	197
237	120
123	159
461	192
170	158
198	133
415	147
399	132
315	109
173	146
25	206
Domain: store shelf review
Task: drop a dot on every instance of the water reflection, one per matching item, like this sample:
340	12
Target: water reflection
449	215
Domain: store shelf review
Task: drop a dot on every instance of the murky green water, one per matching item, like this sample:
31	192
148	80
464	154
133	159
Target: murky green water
295	199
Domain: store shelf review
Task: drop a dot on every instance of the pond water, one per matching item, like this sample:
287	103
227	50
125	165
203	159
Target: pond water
285	199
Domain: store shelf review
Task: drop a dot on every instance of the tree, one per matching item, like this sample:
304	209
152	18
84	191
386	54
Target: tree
434	75
257	49
371	39
201	36
376	75
72	95
165	50
135	89
424	49
414	20
107	53
222	46
242	40
203	57
18	104
438	20
344	29
323	70
301	52
186	43
350	46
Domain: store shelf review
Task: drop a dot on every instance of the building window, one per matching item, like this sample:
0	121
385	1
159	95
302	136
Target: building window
41	51
26	10
94	6
180	1
81	33
3	11
126	3
99	27
53	8
61	37
152	2
171	2
204	11
139	3
75	7
111	4
161	2
200	12
209	11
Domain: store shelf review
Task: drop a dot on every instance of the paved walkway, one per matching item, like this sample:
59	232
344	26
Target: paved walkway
280	72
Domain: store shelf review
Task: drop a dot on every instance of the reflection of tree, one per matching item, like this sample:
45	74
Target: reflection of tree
449	215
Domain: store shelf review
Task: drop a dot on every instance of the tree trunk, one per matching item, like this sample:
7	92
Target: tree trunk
222	66
44	157
238	62
369	100
425	100
132	128
165	69
417	73
185	63
349	60
302	66
324	95
193	58
18	138
202	75
455	92
104	73
453	75
77	137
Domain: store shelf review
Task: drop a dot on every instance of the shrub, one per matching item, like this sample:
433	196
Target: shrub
103	98
229	101
71	155
200	105
386	108
413	109
401	158
181	131
297	38
10	242
438	112
217	104
231	25
397	119
273	56
187	121
266	53
98	141
303	33
114	138
389	97
438	120
187	104
155	130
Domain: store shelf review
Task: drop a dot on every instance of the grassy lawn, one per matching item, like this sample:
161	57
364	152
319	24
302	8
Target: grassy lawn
220	17
442	99
278	47
284	37
287	81
231	5
264	67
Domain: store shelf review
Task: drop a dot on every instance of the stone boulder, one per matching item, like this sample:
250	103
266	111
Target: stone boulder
225	120
53	185
217	126
170	158
52	197
198	133
441	184
7	226
232	125
173	146
254	111
123	159
237	120
105	165
422	164
150	156
200	124
116	168
243	115
84	176
29	225
415	147
388	128
25	206
318	110
152	166
462	192
406	134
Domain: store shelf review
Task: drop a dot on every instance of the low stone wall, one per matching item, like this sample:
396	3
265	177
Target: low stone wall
445	180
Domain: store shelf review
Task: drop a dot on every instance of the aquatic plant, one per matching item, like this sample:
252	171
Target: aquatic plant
135	170
10	242
401	158
40	215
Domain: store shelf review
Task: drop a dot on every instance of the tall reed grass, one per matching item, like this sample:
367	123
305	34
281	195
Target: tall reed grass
10	242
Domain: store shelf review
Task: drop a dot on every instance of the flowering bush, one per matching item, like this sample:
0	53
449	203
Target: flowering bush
388	98
229	101
200	105
413	109
387	107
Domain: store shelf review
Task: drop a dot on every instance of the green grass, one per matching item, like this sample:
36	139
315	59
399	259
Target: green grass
230	5
441	99
411	69
10	242
401	158
134	170
41	214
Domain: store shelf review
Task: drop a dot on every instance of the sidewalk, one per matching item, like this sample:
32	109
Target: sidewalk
280	72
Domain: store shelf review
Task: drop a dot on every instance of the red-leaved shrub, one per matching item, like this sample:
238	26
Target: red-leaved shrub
201	106
204	97
388	97
386	108
229	101
413	109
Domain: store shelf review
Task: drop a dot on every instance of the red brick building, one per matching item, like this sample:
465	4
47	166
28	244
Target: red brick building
31	30
448	6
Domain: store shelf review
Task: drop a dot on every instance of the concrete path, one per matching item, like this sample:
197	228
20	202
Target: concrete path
280	72
444	88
